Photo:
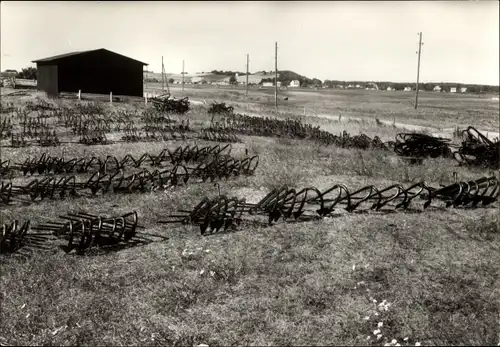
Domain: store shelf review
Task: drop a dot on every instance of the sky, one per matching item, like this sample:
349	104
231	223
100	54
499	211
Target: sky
338	40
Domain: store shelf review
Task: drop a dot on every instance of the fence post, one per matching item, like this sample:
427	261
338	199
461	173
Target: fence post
110	97
146	99
79	94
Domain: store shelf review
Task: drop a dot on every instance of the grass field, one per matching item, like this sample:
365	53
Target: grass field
442	111
429	278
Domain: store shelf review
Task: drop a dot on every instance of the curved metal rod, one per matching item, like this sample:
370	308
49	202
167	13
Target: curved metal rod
339	198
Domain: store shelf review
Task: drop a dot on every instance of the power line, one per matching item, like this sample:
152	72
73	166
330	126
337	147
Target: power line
276	76
248	62
162	76
183	75
420	43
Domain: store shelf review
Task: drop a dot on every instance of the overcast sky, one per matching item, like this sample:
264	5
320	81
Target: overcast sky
327	40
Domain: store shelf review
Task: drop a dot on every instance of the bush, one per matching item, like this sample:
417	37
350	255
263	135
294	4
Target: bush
28	73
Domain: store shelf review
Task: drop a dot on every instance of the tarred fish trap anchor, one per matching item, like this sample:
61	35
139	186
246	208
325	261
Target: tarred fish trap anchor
84	231
212	215
12	236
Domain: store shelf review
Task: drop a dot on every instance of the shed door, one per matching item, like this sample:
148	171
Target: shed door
48	79
54	81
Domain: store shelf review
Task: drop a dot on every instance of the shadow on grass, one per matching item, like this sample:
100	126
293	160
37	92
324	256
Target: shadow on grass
263	221
109	245
259	224
47	242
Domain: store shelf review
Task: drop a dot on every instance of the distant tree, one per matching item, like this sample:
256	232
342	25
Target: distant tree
233	80
492	89
171	81
399	86
428	87
316	82
28	73
9	70
329	84
474	89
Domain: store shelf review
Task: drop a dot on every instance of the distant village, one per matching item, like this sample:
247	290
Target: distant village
266	79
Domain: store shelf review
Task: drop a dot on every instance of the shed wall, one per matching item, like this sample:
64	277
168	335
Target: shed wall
99	73
47	79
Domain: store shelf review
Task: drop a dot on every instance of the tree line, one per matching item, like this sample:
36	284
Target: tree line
28	73
445	86
227	73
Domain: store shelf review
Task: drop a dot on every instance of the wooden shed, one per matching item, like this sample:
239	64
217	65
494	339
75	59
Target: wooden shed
97	71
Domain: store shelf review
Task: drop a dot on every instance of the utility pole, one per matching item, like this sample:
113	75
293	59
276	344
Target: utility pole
418	67
248	61
183	75
276	76
162	76
166	83
166	80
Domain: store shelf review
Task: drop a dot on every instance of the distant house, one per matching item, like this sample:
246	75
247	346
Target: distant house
453	89
252	79
295	83
390	89
407	89
358	86
270	84
437	89
463	90
341	86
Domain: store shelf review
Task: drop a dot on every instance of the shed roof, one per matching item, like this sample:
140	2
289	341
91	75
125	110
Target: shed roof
66	55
